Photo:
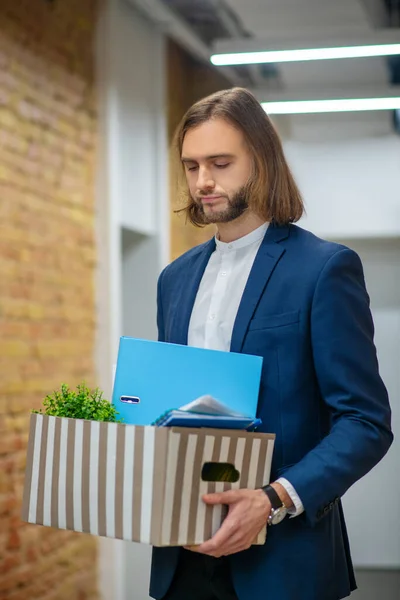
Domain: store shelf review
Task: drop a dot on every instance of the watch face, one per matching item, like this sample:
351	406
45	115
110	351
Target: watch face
278	515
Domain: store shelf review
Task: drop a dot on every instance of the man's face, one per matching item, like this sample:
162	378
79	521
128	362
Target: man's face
218	166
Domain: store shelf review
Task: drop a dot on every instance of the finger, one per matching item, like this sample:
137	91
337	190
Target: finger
235	550
239	546
233	547
199	550
222	538
232	544
228	497
192	548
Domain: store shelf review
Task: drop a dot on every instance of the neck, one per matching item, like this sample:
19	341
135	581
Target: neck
234	230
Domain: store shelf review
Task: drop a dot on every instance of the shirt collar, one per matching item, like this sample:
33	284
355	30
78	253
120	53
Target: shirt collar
247	240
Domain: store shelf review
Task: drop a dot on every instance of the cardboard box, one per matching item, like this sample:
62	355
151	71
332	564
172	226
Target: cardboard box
141	484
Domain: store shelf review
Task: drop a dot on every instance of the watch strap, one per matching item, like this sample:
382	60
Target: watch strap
276	502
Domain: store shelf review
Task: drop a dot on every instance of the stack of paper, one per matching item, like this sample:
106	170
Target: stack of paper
206	411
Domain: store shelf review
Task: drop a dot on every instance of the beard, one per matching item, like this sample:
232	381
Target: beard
237	205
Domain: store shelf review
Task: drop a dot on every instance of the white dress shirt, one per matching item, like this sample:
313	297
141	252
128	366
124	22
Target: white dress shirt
217	302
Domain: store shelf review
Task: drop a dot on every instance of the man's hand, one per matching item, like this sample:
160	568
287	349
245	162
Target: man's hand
247	515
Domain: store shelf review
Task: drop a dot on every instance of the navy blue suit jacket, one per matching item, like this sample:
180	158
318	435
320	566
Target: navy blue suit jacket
305	309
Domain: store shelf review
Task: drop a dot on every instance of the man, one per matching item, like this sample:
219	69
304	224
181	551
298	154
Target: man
264	286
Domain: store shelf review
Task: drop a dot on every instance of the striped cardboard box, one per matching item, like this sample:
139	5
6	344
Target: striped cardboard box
141	484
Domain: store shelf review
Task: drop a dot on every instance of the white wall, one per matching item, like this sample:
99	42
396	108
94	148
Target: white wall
375	540
351	187
348	169
133	223
140	269
137	78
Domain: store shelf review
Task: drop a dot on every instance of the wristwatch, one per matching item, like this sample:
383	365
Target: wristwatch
278	510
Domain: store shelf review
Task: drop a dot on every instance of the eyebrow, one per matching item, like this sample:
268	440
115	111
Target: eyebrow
185	159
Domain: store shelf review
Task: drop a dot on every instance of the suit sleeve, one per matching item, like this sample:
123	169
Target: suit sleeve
160	315
347	371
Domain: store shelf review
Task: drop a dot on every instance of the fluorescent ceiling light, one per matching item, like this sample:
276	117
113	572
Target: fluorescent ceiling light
326	106
278	56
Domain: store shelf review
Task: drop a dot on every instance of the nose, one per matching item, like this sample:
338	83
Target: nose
204	180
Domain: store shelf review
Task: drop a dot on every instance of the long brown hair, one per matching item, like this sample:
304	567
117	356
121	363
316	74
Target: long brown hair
272	190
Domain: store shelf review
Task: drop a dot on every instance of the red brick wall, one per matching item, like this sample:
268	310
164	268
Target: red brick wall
47	262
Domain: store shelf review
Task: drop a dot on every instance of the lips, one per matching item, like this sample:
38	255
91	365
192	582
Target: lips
210	199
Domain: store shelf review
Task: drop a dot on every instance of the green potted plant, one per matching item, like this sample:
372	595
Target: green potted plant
83	403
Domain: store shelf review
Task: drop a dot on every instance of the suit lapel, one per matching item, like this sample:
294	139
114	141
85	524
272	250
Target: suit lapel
190	284
264	264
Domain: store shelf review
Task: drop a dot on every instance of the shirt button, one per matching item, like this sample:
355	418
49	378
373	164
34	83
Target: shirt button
212	317
223	273
230	247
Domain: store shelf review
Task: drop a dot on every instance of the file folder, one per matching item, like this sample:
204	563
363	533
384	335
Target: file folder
181	418
152	378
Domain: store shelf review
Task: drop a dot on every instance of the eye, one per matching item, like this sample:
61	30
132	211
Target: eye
193	168
222	166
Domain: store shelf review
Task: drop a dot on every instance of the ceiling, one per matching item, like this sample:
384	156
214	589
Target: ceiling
264	18
233	25
205	27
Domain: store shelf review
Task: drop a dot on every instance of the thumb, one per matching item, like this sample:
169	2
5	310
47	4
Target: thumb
229	497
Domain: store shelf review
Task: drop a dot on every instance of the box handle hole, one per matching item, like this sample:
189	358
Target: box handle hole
213	471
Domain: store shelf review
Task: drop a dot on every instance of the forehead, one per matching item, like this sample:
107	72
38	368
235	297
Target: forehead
215	137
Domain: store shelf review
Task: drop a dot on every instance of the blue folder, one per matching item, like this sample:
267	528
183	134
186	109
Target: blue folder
152	378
